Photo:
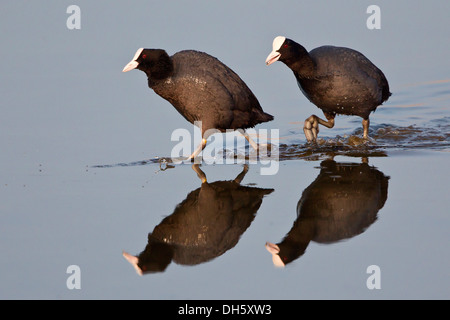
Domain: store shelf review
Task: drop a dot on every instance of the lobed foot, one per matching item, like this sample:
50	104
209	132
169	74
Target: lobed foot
311	128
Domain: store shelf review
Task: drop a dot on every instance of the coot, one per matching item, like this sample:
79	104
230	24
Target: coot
338	80
201	88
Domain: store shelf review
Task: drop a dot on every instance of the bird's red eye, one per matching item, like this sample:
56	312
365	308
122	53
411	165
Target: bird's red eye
144	56
285	45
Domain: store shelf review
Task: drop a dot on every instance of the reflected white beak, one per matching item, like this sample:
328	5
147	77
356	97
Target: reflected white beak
134	262
130	66
274	250
273	56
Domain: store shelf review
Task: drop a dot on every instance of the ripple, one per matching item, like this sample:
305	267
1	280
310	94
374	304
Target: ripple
383	139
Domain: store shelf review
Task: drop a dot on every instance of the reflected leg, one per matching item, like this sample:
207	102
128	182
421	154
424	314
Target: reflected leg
199	172
241	175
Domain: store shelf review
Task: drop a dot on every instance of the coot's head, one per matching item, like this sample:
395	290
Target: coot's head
155	62
285	50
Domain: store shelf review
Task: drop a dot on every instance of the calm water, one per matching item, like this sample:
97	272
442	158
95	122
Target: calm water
81	182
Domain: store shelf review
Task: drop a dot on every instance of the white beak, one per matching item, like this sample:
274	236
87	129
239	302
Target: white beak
273	56
133	63
130	66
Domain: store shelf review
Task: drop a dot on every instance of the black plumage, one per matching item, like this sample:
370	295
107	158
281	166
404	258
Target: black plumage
201	88
338	80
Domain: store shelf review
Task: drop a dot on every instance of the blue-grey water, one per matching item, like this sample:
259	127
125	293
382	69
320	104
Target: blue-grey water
80	143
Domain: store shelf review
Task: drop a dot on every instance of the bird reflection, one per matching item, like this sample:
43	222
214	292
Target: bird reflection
205	225
341	203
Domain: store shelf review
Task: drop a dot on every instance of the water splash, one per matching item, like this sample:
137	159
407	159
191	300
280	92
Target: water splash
384	138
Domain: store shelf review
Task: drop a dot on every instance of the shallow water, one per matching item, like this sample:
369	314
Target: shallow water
86	174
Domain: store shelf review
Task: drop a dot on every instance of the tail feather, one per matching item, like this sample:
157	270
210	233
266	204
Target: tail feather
265	117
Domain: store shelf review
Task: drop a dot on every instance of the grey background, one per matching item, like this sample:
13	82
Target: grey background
66	106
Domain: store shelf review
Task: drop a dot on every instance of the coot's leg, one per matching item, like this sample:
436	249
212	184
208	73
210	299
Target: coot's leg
311	127
201	146
365	124
250	140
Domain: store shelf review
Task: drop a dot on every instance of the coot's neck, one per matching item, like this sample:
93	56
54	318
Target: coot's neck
158	70
301	63
297	240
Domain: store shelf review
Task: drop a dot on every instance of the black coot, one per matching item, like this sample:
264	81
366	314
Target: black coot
202	89
337	80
